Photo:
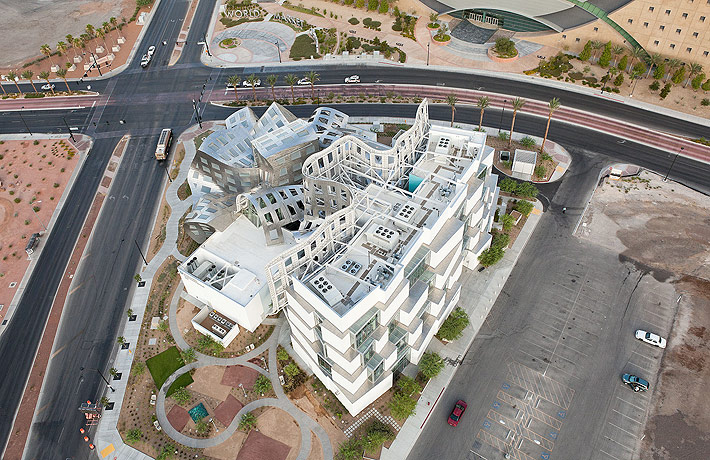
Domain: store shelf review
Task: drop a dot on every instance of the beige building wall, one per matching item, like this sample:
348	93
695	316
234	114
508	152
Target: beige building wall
672	28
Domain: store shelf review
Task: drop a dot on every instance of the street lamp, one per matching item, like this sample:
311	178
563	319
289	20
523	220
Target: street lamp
279	50
69	129
500	122
245	391
23	120
427	52
672	163
207	45
102	376
37	216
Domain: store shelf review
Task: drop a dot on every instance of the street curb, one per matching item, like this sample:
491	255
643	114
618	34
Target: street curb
50	225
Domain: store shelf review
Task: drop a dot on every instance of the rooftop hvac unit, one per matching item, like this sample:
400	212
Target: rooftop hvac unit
406	212
346	265
383	237
325	288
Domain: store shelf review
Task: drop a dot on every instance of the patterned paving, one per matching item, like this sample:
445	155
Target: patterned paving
366	416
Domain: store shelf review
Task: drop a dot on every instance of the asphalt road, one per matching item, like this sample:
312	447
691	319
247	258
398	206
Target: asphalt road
157	97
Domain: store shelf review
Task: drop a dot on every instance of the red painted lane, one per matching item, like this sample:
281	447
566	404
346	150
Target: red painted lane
49	103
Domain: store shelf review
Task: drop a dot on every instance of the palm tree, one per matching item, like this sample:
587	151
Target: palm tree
62	73
636	55
47	51
653	60
271	80
518	104
291	80
695	69
3	88
102	35
251	79
106	26
596	45
27	75
70	39
90	30
482	104
672	65
313	77
62	48
12	76
616	50
78	44
235	80
44	75
451	99
553	106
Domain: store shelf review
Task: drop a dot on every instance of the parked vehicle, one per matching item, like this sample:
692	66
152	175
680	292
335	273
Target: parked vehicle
457	412
151	50
304	81
352	79
47	86
635	382
145	60
248	85
651	338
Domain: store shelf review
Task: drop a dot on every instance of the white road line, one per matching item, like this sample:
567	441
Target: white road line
574	349
633	435
617	442
539	346
578	339
607	453
532	356
554	316
630	418
636	365
652	324
631	404
663	317
652	358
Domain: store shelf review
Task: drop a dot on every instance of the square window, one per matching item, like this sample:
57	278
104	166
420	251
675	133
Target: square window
576	39
668	12
689	49
672	46
564	36
596	29
702	18
695	34
630	21
645	24
685	15
655	42
705	53
662	28
650	8
677	31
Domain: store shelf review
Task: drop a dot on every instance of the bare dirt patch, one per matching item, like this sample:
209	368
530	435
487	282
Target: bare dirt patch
157	238
663	229
32	180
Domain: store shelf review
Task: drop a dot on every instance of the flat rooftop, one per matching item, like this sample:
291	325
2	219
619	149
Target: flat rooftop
237	258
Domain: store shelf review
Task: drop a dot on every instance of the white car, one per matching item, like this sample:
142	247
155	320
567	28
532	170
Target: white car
304	81
48	86
151	50
145	60
248	85
352	79
651	338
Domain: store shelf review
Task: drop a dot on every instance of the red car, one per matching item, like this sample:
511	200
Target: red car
458	411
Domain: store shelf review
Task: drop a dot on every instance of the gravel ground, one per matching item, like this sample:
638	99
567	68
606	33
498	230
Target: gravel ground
29	24
664	228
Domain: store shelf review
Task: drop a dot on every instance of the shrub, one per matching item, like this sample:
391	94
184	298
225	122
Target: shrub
202	427
36	142
508	185
654	86
528	142
376	435
660	71
56	185
586	52
697	81
188	355
247	422
500	240
705	102
665	91
402	406
524	207
262	384
372	5
408	386
431	365
354	21
505	47
282	355
678	75
491	256
706	86
17	200
540	171
546	156
352	448
526	190
452	328
507	221
623	63
605	57
384	6
503	135
182	396
619	79
292	370
133	436
303	47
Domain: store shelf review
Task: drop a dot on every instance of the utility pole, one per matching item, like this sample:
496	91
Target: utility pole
98	67
167	173
500	122
427	53
672	163
207	45
139	250
37	216
69	129
23	120
279	50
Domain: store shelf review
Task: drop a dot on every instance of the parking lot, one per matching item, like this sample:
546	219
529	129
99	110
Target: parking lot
580	330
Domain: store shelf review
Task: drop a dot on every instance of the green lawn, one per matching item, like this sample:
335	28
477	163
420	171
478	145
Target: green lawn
163	365
180	382
303	47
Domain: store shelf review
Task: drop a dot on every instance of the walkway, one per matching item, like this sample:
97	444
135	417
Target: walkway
108	440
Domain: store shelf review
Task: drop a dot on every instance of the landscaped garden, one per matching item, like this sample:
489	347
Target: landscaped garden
303	48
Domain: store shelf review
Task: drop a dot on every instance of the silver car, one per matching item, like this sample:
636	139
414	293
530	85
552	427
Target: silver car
651	338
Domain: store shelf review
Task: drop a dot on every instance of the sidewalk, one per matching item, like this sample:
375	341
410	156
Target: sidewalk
485	287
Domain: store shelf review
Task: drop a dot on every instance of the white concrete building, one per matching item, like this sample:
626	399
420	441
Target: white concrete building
372	271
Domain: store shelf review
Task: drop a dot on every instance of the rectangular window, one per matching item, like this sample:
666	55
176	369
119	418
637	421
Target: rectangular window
668	12
576	39
689	49
564	36
672	46
655	42
685	15
705	53
695	34
702	18
662	28
630	21
596	29
677	31
645	24
650	8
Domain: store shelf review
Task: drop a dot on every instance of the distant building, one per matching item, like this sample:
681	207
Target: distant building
365	257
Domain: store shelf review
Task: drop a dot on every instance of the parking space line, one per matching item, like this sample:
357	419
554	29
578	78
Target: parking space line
617	442
537	345
532	356
653	358
631	404
618	427
562	285
652	324
663	317
630	418
574	349
554	316
578	339
565	372
540	323
636	365
607	453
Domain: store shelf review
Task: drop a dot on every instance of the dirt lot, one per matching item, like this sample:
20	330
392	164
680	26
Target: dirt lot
32	179
665	228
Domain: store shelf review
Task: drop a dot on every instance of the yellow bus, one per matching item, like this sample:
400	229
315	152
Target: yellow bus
166	136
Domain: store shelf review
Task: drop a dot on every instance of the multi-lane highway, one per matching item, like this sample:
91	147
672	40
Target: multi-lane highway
161	96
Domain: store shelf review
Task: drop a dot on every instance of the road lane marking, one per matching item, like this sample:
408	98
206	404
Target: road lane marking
617	442
633	435
630	418
607	453
631	404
